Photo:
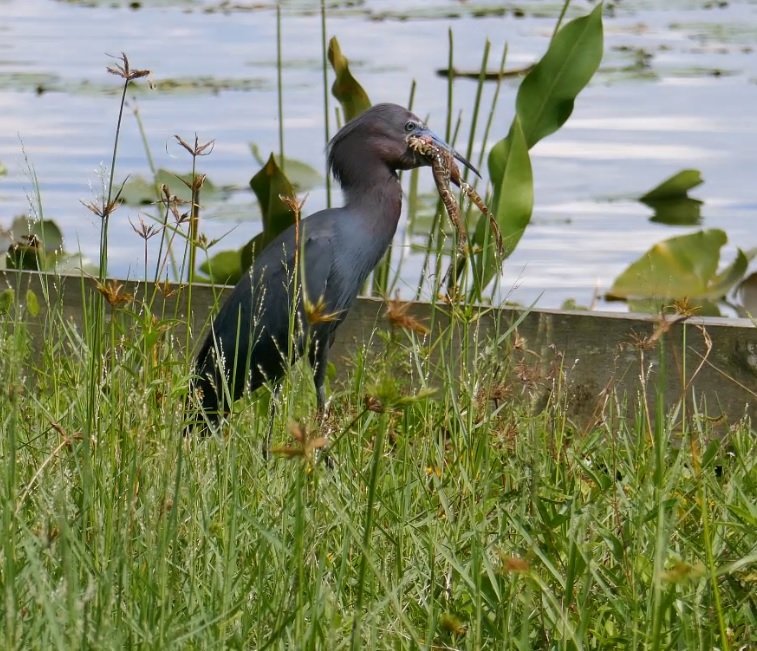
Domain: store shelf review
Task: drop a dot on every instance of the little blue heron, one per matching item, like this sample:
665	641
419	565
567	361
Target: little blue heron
301	286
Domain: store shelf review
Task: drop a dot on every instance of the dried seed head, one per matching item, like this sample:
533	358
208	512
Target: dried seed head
316	313
372	403
396	313
514	564
144	230
305	446
198	149
114	294
123	69
166	288
294	204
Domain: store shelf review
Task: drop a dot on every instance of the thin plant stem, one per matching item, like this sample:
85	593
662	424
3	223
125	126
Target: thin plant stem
447	131
279	86
326	110
412	203
560	18
378	451
106	216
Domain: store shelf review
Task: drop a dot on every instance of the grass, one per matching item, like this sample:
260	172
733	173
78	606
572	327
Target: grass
462	507
456	514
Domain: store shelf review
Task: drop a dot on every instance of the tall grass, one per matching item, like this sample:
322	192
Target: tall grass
463	507
455	514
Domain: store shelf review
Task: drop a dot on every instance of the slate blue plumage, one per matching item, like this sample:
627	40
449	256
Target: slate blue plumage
252	333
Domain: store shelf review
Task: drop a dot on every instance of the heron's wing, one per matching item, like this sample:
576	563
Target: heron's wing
257	332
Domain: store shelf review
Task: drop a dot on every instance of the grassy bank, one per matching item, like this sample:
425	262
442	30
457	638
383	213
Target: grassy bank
462	512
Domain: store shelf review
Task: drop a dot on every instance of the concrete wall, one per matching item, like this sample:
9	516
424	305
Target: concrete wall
708	359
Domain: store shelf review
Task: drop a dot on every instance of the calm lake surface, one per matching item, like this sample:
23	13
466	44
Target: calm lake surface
677	89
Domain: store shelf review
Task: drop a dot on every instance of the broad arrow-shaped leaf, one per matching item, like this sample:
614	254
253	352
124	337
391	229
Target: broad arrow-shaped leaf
346	89
674	187
269	185
544	102
546	95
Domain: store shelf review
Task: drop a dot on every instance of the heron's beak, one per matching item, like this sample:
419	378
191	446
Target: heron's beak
425	132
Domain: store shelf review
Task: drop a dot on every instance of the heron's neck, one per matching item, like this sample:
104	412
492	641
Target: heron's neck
377	199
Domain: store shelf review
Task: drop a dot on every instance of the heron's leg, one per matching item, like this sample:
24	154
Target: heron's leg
319	359
273	400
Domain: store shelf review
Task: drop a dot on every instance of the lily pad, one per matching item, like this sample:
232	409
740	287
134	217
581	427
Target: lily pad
301	175
139	191
675	187
681	267
35	244
681	211
224	268
671	202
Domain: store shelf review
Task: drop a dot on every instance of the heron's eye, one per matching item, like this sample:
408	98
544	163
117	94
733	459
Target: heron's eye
410	126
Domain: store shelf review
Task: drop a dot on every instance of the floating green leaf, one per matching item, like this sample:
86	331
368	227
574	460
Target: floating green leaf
547	93
3	170
36	244
671	202
224	268
346	89
139	191
675	187
46	230
679	211
681	267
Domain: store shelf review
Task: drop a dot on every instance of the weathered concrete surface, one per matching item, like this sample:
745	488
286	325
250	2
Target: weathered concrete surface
708	359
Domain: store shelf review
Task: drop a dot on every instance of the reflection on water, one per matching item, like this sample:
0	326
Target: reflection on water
677	90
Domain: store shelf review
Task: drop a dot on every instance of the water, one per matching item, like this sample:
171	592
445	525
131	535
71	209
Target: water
677	89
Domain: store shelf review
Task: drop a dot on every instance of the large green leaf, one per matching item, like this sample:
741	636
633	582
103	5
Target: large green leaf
224	268
300	174
546	95
511	175
346	89
270	184
544	102
674	187
139	191
681	267
36	244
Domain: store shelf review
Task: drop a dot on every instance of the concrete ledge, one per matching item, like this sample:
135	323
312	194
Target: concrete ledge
710	360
